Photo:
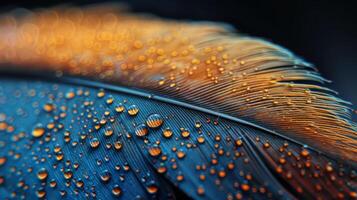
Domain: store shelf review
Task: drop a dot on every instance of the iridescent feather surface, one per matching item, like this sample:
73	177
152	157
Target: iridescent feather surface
101	103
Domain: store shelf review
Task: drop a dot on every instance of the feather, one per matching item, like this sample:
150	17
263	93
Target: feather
80	131
219	115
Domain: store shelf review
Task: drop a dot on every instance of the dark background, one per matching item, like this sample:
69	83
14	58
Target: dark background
322	32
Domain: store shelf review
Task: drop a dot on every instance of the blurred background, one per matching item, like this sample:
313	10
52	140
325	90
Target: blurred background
322	32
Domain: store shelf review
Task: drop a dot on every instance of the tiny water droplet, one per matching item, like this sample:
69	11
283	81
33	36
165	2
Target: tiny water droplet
105	175
154	150
53	183
185	133
152	189
304	153
48	107
68	174
70	95
118	145
198	124
239	142
38	131
108	132
94	142
116	190
200	139
110	100
41	193
119	108
200	190
180	154
167	133
79	183
101	93
42	174
266	144
2	160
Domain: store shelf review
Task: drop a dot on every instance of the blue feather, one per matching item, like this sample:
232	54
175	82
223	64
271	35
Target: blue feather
103	141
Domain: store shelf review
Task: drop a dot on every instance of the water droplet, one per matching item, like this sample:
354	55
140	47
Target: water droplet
161	169
53	183
329	168
141	130
198	124
48	107
2	160
105	175
70	95
59	156
42	174
133	110
154	150
38	131
101	93
79	183
200	139
94	142
154	120
200	190
167	133
152	189
57	148
239	142
266	144
304	153
245	187
41	193
185	133
118	145
180	154
68	174
108	132
116	190
119	108
110	100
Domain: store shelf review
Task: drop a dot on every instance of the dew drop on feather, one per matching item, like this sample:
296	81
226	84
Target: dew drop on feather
154	121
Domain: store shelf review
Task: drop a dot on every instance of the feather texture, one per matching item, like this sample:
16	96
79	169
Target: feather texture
203	64
76	139
219	115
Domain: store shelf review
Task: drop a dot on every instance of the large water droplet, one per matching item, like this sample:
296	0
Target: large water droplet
154	120
141	130
133	110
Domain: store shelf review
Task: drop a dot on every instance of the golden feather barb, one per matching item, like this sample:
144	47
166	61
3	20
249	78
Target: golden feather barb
200	63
